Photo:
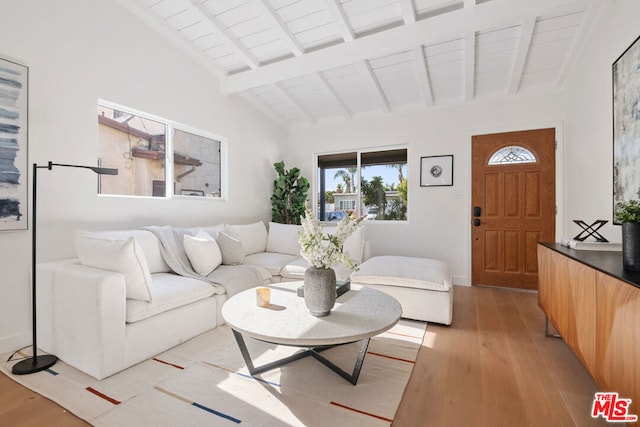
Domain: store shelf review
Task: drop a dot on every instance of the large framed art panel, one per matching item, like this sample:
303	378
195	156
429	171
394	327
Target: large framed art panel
14	79
626	124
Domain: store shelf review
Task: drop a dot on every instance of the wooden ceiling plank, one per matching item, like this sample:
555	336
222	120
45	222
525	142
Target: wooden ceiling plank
373	80
334	93
340	17
280	26
408	11
237	46
469	65
422	74
436	29
280	89
522	51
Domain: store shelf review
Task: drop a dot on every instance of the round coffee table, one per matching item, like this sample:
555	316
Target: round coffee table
359	314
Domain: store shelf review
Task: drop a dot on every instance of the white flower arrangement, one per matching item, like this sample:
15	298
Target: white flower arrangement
325	250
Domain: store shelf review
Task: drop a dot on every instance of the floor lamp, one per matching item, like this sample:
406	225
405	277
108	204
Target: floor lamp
39	363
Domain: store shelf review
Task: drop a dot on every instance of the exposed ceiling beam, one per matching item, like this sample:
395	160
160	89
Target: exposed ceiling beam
526	33
209	16
142	12
488	15
371	77
469	65
345	110
337	13
408	11
288	97
422	74
287	36
592	15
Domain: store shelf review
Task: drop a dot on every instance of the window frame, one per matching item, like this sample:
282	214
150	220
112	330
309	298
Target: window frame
359	152
170	127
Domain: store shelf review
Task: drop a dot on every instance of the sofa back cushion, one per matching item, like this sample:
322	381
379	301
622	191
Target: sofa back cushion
253	236
203	252
123	255
283	239
230	248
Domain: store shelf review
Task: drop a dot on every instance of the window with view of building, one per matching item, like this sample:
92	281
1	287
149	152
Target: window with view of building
372	184
147	150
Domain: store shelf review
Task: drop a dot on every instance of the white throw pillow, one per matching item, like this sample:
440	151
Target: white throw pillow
203	252
122	255
253	236
231	249
283	239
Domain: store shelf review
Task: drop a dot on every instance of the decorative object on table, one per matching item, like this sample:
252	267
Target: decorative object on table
626	124
436	171
14	79
263	297
324	251
627	213
342	286
37	363
590	230
289	195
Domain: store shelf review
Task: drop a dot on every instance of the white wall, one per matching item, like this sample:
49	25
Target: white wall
439	223
78	51
589	149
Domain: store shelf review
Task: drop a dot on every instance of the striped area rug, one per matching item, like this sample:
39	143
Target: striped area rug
204	382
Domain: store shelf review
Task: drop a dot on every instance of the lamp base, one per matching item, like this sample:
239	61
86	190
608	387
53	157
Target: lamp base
34	364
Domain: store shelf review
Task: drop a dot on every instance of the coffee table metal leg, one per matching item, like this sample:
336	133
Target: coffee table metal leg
353	377
269	366
315	352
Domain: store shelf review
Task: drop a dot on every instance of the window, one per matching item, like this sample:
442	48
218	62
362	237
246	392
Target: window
372	184
147	150
512	154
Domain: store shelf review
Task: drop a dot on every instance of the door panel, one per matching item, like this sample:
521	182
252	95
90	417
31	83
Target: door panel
517	202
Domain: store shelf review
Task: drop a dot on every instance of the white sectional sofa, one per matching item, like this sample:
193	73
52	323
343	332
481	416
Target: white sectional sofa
120	302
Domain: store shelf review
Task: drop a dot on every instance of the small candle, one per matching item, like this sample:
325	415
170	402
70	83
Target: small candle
263	297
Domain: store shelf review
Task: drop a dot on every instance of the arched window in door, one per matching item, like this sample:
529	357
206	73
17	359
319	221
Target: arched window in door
512	154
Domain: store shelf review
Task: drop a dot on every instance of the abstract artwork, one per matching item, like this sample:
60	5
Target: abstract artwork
436	171
626	124
13	145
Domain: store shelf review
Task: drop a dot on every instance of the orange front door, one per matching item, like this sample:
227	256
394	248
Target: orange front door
513	206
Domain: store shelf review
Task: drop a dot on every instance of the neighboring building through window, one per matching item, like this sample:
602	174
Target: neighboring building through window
364	183
142	147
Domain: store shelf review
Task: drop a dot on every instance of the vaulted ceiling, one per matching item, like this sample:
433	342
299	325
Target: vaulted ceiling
308	61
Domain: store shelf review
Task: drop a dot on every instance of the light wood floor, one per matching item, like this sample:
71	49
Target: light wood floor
492	367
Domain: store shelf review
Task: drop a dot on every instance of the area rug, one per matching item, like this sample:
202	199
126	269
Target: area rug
204	381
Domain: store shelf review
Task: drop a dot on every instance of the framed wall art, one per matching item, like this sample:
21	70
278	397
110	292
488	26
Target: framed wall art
626	124
14	79
436	171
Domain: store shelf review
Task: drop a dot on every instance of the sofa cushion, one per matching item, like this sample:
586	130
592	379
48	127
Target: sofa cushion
230	248
169	291
272	262
295	269
409	272
203	252
283	239
253	236
148	242
122	255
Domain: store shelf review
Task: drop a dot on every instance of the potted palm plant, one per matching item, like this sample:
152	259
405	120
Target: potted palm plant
628	213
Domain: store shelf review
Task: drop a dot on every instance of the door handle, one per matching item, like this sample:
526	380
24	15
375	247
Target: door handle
477	211
476	222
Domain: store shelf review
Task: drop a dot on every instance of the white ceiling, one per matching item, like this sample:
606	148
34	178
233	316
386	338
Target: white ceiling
308	61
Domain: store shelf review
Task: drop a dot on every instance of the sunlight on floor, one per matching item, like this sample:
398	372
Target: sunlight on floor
429	339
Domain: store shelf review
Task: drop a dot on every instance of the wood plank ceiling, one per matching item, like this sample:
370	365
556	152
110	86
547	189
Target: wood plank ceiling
308	61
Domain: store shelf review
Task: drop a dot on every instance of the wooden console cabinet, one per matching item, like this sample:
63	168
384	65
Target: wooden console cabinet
595	306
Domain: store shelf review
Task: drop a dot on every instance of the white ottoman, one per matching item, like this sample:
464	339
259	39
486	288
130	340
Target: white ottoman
422	286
